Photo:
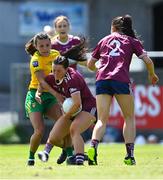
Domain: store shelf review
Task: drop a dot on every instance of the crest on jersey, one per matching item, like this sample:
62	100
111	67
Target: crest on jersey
35	63
71	90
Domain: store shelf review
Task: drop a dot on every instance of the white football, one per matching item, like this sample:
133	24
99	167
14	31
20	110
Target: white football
67	104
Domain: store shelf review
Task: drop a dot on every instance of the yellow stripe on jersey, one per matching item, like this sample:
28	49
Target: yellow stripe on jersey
41	63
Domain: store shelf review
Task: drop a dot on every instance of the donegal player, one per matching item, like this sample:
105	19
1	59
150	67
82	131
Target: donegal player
40	66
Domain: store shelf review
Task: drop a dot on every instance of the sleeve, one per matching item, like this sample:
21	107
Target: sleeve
36	64
55	54
73	85
138	48
76	40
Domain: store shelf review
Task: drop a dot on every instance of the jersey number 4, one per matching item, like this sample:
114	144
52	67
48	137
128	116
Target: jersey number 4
115	50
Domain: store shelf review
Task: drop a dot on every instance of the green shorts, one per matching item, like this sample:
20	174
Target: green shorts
31	105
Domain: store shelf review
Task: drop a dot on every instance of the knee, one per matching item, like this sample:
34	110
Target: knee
54	139
101	124
55	142
73	130
129	117
39	132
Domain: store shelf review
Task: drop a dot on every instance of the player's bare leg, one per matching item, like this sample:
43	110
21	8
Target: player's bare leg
57	137
81	123
126	103
67	149
38	125
103	105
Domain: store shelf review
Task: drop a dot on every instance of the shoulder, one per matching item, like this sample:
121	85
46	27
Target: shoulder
71	75
74	73
36	62
135	41
54	53
36	57
104	39
74	38
73	81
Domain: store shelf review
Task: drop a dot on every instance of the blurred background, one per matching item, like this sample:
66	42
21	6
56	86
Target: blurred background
21	19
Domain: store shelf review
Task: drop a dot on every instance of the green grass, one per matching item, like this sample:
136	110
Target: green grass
110	159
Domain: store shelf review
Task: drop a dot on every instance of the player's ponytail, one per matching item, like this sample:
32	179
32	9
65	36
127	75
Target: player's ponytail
78	52
123	24
30	47
127	26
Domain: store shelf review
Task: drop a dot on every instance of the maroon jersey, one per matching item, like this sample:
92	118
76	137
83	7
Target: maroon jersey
63	47
73	82
114	53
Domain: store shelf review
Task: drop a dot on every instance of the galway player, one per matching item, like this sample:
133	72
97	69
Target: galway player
70	83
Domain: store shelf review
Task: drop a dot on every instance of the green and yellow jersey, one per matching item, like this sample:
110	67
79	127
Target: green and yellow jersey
43	63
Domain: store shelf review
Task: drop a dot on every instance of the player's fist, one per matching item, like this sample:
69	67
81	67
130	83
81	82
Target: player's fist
153	79
38	97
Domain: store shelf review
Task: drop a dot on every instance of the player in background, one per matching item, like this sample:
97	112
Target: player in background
39	48
63	41
70	83
114	53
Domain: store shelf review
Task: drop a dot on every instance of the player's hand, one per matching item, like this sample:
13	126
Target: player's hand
38	97
67	116
153	78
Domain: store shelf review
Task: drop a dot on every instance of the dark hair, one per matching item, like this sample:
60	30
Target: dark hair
61	60
30	45
124	24
79	51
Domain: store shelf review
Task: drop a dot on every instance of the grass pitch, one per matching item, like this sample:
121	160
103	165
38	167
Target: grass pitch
149	159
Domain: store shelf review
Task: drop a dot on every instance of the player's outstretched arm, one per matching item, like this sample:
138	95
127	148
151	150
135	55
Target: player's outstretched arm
91	64
153	78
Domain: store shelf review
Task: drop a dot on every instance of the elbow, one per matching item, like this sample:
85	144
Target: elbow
147	60
91	67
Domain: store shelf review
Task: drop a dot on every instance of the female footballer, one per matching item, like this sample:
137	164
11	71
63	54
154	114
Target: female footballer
63	41
39	48
40	66
114	53
70	83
